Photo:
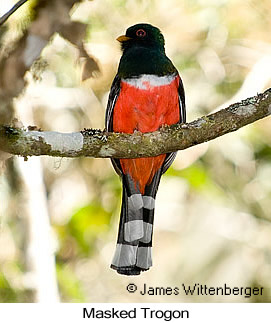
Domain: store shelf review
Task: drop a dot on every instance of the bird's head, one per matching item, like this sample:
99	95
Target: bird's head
142	35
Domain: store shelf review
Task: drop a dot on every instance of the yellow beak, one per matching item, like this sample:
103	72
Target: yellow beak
123	38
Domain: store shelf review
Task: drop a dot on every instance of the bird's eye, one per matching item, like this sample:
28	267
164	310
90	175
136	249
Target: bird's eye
141	33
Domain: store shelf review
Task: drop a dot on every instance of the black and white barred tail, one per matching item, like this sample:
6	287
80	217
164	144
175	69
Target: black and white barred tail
133	252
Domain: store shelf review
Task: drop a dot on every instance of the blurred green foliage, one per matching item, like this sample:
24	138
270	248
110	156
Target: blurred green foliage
70	287
85	225
7	294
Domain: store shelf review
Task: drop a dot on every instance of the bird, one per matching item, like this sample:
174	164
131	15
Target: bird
146	94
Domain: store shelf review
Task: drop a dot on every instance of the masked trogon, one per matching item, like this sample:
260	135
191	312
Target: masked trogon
147	93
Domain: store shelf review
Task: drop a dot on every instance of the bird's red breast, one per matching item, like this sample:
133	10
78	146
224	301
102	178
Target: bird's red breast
145	104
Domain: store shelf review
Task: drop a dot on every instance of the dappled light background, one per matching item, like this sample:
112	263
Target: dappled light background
213	209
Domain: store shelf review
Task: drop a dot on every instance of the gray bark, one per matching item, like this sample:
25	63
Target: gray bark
98	143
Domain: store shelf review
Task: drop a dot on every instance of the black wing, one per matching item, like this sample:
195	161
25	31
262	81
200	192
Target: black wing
171	156
112	99
113	95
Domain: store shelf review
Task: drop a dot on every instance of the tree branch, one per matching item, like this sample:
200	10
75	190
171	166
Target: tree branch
5	17
97	143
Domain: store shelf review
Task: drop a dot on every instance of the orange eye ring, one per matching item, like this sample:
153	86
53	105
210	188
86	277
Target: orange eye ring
141	33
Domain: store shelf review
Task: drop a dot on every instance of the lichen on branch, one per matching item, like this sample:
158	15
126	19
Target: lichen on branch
98	143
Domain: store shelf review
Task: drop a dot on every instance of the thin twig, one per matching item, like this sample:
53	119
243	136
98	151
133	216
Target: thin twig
5	17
